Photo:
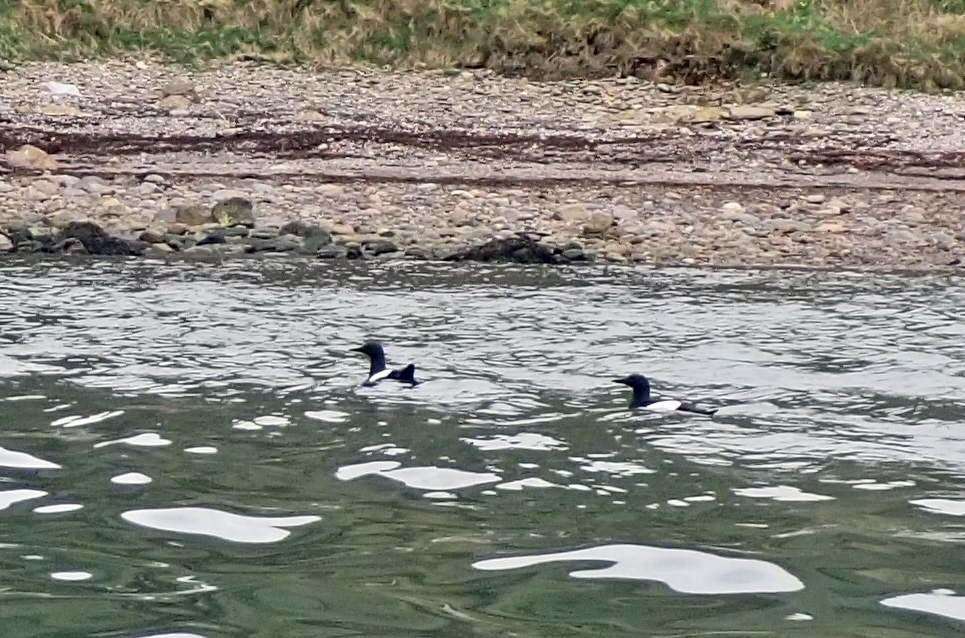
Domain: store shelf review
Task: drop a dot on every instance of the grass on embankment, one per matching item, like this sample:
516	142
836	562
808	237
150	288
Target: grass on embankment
908	43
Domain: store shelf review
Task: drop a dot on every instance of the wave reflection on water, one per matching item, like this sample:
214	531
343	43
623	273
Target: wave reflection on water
823	499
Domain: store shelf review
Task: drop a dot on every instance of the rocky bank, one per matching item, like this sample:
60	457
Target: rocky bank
136	158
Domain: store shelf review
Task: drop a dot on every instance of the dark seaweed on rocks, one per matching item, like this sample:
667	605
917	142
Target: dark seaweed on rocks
76	237
98	242
517	249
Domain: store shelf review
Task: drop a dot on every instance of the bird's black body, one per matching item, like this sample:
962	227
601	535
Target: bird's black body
377	369
642	399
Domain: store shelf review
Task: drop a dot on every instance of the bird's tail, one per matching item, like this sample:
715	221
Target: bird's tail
405	375
695	410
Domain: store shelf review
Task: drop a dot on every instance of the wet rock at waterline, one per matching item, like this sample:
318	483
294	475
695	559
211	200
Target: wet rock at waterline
314	237
281	244
332	252
214	237
69	246
517	249
378	247
96	241
75	237
88	237
158	251
152	237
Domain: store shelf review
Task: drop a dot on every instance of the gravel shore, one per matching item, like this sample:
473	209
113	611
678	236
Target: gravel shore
138	158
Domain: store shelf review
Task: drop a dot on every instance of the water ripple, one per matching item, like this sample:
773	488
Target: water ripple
683	570
834	464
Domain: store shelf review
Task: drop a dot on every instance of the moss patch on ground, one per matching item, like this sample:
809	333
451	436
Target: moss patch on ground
905	43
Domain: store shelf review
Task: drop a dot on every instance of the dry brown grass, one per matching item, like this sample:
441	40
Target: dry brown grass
892	42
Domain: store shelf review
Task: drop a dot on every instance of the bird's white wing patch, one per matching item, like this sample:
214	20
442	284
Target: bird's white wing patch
664	406
378	376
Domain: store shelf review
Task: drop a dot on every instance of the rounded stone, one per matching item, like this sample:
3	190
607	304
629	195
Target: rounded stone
146	188
234	211
192	215
598	223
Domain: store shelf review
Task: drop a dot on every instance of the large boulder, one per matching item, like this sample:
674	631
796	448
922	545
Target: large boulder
234	211
192	215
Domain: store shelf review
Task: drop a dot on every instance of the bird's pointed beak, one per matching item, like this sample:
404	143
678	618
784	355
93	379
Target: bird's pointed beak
623	381
359	349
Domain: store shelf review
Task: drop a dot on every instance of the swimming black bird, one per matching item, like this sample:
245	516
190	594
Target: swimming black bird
642	398
377	370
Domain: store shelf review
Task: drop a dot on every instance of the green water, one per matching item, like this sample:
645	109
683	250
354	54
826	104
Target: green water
826	497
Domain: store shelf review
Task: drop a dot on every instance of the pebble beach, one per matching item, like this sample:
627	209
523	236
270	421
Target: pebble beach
238	159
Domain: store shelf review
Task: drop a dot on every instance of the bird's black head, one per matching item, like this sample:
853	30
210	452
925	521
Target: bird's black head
634	381
641	389
372	349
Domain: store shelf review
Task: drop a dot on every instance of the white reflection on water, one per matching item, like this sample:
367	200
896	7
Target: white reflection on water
521	441
11	367
420	478
224	525
202	449
72	576
10	497
386	449
874	486
618	468
328	416
79	419
781	493
439	496
272	420
58	509
684	570
941	506
517	486
22	460
149	439
941	602
131	478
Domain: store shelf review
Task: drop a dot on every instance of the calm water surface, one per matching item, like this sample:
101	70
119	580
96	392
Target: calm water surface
186	451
